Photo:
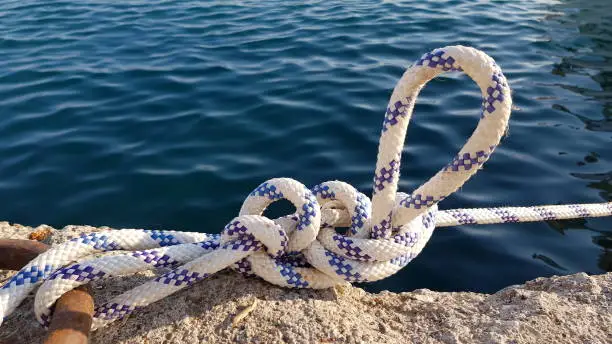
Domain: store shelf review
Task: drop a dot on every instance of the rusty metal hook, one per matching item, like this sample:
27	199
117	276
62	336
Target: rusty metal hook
71	321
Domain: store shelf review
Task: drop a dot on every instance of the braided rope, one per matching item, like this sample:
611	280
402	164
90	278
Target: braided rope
304	250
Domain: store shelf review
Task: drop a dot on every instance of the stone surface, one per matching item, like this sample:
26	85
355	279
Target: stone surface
568	309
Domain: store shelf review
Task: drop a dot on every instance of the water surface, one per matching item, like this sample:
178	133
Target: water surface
166	114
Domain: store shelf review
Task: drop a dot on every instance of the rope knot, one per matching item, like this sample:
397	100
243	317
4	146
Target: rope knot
305	249
252	232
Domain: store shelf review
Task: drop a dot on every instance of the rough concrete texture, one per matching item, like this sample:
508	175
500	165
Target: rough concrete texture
568	309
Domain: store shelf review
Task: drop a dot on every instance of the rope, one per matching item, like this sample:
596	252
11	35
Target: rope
304	250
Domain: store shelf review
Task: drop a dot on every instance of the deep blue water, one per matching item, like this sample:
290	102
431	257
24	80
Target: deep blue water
166	114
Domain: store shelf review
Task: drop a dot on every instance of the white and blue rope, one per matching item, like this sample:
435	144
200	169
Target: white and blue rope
304	250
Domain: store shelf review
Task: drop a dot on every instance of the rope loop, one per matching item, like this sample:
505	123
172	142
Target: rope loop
308	210
495	113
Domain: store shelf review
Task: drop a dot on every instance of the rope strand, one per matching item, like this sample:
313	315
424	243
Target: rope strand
483	216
